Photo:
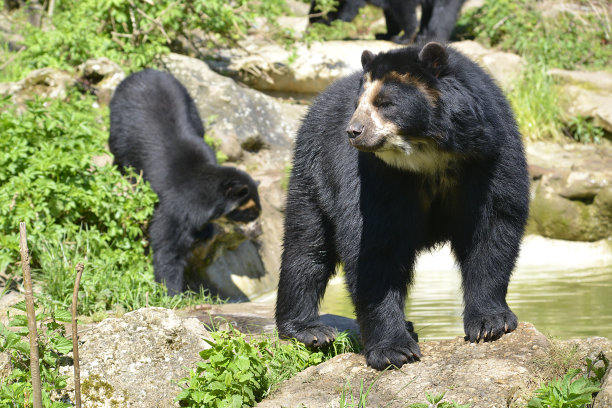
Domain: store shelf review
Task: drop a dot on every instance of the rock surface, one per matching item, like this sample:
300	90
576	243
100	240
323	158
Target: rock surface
135	360
102	75
310	69
586	94
571	191
487	375
43	82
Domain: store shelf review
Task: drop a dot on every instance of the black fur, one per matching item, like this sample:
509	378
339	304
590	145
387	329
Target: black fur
348	206
155	128
438	17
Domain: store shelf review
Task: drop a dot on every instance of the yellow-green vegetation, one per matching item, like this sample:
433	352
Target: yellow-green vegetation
575	389
363	27
128	32
435	401
238	371
16	387
552	34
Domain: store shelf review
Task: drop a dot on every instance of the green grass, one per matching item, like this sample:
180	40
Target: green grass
554	37
535	101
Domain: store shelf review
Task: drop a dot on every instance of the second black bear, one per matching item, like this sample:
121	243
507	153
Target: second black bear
438	17
155	128
432	155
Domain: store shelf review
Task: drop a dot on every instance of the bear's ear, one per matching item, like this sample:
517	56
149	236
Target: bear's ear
366	57
237	191
434	56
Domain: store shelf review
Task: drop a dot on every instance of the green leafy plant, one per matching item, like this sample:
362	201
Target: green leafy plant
561	37
435	401
53	346
584	130
238	371
567	392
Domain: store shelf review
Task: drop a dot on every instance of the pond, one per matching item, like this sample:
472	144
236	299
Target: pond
560	301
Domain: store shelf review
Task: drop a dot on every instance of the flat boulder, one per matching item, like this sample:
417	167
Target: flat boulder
486	375
310	68
135	361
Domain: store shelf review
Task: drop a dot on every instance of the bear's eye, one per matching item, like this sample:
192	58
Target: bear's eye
383	103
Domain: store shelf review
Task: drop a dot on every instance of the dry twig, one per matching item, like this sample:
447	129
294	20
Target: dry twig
75	337
31	314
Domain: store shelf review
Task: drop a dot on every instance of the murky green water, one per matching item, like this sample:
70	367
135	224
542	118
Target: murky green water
562	303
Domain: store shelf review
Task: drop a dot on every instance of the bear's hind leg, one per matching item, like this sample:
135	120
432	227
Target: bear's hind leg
487	256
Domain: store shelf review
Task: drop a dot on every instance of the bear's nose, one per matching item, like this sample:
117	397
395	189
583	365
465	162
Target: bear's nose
354	129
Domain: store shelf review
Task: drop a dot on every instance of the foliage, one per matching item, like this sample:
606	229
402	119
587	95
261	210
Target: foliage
75	211
435	401
566	392
130	32
238	371
535	101
16	388
563	37
361	400
584	130
569	391
361	27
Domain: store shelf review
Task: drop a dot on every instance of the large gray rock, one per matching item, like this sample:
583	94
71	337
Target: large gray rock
488	375
310	69
135	360
253	119
102	75
43	82
586	94
571	191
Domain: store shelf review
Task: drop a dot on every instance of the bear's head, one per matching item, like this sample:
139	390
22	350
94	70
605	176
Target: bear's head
397	100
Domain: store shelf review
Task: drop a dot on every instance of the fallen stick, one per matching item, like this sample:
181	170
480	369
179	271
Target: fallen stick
31	314
75	337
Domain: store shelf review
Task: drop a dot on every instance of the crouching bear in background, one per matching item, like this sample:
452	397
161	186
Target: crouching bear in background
433	154
155	128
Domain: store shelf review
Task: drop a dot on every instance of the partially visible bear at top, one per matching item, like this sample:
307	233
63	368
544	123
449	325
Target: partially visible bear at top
155	128
438	18
418	149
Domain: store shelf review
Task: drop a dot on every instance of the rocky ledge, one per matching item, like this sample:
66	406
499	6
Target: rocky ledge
136	360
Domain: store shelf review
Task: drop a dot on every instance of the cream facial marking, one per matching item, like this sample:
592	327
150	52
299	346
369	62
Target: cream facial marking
366	109
405	153
249	204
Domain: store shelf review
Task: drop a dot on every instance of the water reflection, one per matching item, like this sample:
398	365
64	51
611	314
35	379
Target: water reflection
562	303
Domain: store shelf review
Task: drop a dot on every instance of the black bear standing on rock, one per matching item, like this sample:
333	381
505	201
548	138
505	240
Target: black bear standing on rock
438	17
155	128
433	154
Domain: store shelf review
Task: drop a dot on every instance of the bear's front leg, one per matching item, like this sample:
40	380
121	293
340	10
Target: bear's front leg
308	261
378	288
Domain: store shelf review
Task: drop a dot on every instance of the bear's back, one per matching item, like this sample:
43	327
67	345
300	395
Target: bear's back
154	122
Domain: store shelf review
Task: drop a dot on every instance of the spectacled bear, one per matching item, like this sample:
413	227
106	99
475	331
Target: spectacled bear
155	128
432	155
438	17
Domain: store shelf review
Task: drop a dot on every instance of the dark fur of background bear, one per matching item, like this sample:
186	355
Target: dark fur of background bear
438	17
155	128
432	155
